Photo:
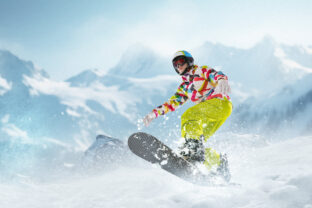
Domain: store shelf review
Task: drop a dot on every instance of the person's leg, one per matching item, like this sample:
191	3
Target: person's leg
212	158
192	132
200	122
216	112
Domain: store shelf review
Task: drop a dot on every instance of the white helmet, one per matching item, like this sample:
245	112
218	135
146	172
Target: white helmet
188	59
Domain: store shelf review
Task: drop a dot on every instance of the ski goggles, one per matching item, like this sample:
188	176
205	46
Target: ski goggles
179	62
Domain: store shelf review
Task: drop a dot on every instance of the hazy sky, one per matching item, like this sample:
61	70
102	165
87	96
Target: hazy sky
65	37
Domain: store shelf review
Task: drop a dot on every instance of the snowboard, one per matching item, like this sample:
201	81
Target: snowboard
152	150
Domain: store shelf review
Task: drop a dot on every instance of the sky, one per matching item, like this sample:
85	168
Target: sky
67	37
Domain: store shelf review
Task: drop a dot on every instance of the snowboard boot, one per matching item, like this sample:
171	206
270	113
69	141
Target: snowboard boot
217	164
193	150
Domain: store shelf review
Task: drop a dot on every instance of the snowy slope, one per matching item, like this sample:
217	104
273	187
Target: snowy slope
271	175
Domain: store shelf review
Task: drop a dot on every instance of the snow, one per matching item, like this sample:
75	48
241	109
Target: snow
76	97
160	83
14	132
308	49
47	125
5	86
294	65
277	174
290	65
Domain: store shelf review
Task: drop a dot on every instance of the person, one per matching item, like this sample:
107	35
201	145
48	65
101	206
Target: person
209	90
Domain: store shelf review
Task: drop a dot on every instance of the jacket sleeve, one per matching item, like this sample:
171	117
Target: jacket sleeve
178	99
212	75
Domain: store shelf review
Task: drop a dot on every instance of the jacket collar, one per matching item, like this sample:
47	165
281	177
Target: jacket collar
187	76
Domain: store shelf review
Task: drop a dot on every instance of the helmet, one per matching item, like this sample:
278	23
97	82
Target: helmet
188	57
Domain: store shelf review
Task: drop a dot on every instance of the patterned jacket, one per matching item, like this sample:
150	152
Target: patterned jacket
198	85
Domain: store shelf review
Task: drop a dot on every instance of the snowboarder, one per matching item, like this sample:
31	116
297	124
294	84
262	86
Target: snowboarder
209	89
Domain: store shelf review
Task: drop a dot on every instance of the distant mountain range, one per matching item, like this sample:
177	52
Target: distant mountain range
271	85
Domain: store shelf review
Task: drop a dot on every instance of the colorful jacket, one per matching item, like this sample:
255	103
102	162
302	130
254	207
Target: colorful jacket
198	85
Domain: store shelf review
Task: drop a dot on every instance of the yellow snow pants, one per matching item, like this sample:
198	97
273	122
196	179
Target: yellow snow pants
204	119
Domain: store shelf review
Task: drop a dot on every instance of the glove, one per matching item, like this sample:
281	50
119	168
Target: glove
223	87
148	118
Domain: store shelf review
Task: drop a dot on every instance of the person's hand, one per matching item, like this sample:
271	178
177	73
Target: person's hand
222	87
148	118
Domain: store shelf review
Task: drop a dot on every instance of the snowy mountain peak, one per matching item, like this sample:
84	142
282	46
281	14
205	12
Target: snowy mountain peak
139	61
86	77
265	48
14	69
268	41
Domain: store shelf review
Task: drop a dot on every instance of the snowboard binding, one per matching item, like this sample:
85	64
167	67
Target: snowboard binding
192	150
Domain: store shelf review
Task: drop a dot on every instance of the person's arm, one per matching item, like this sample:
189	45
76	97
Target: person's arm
218	80
178	99
213	76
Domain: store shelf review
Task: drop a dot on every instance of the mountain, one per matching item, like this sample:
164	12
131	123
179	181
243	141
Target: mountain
13	69
25	115
139	61
286	112
258	71
269	80
85	78
70	114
